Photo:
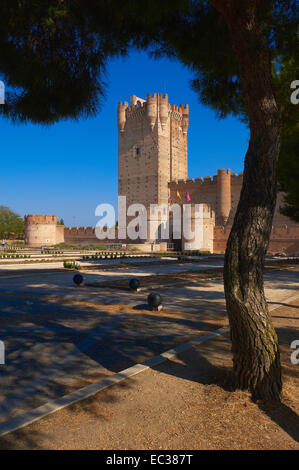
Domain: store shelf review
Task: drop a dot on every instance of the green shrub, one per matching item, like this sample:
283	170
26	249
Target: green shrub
71	265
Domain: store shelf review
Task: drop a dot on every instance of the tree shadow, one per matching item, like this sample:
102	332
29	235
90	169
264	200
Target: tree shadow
284	417
285	305
20	439
32	438
206	373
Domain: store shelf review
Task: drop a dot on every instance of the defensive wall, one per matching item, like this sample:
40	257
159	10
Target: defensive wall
80	235
284	239
221	192
42	230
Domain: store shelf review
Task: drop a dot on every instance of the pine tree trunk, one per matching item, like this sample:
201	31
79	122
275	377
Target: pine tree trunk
254	340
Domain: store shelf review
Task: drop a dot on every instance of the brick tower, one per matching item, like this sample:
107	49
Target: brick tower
152	148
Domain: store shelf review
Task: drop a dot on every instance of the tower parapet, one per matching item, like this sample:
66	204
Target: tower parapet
157	109
151	109
40	219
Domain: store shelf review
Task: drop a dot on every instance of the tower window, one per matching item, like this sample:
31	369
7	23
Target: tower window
137	150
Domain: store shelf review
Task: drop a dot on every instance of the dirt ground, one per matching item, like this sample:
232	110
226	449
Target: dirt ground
185	403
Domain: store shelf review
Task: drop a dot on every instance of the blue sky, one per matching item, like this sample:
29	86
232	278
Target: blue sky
69	168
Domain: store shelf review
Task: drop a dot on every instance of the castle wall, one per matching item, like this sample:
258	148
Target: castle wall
200	190
80	235
236	186
42	230
60	233
222	193
284	239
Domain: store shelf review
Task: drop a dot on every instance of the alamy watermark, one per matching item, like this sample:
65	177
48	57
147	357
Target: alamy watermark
295	95
159	221
2	353
295	354
2	92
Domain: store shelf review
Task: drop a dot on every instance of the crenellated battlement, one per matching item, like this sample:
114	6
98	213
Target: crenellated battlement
208	180
156	107
40	219
283	239
221	191
79	231
237	178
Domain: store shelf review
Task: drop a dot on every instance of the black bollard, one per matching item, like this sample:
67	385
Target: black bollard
78	279
154	300
134	283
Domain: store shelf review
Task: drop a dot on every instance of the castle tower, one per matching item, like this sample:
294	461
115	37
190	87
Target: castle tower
152	148
223	196
42	230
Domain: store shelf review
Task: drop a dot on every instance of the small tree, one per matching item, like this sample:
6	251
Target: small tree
10	223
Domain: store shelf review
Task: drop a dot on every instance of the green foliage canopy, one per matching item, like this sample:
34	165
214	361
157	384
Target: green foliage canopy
10	223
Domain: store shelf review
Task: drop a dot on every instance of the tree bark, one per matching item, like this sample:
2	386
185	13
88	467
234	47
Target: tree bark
254	341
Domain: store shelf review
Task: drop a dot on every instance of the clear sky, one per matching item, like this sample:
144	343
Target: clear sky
69	168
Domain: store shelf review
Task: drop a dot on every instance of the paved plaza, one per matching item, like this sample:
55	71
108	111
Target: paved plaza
59	337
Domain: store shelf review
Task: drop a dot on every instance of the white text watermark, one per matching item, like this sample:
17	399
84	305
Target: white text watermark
295	95
157	222
2	92
2	353
295	354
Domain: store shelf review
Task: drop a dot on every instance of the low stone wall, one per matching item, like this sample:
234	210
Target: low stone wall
284	239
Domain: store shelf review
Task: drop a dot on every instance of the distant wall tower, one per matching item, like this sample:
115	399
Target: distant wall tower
42	230
152	148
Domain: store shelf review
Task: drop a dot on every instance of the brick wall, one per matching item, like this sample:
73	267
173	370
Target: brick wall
284	239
